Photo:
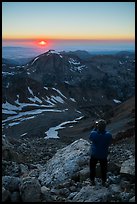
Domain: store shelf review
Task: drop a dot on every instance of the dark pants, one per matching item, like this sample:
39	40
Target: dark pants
103	165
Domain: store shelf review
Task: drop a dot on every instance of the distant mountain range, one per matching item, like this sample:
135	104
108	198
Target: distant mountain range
23	53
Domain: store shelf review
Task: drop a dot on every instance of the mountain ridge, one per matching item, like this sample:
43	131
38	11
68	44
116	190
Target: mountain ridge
53	81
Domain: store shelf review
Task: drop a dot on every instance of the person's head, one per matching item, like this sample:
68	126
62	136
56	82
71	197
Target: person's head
101	125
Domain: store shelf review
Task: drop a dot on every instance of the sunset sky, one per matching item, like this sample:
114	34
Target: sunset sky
70	25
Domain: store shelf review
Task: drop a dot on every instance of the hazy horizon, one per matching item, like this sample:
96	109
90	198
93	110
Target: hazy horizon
90	46
16	53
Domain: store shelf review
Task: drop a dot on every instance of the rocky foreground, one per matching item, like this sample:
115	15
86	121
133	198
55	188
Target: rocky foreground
62	174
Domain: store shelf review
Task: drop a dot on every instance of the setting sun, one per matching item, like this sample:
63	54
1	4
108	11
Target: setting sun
42	42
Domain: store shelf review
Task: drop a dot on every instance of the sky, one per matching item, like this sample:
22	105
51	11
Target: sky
69	25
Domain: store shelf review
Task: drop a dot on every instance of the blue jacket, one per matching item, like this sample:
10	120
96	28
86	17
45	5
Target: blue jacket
100	143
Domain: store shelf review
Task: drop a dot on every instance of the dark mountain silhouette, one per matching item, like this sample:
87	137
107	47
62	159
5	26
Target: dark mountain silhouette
82	54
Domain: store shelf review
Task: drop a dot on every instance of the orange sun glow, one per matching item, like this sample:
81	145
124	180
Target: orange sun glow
42	42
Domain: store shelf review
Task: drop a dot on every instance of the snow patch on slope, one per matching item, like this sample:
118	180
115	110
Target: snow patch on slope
52	132
116	101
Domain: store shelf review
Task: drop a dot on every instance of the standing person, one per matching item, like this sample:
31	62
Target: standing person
101	140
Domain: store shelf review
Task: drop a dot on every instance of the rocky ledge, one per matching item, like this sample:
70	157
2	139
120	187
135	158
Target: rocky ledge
64	176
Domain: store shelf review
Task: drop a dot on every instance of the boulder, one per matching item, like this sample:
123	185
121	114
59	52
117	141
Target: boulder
46	194
15	197
8	151
125	185
125	196
65	163
113	167
5	195
30	189
91	194
84	174
113	179
128	167
10	168
114	189
23	169
11	183
132	199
